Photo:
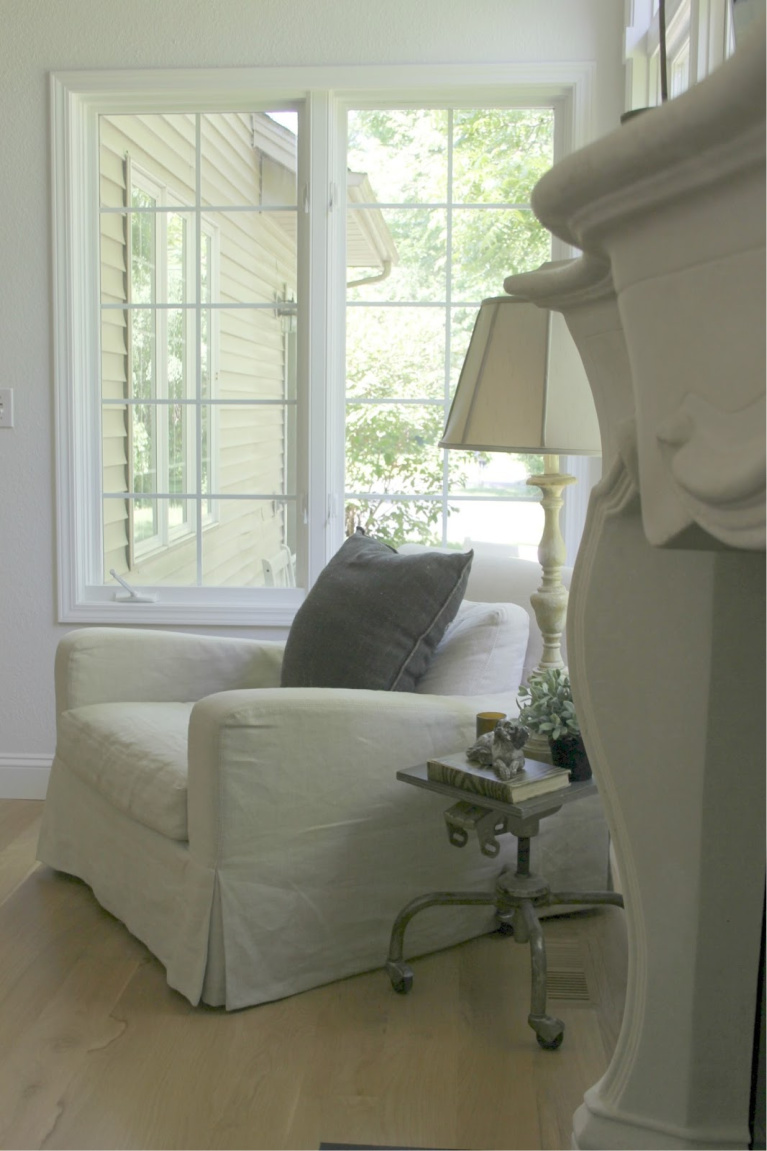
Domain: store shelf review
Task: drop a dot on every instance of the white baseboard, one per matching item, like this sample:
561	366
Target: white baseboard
24	776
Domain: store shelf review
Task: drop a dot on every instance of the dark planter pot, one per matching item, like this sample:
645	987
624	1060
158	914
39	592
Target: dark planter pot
569	752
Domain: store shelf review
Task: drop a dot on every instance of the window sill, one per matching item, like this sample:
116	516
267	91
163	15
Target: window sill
186	607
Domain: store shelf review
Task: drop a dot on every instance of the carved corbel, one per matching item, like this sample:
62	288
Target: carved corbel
717	460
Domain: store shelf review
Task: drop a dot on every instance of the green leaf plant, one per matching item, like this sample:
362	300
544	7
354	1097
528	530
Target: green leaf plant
546	704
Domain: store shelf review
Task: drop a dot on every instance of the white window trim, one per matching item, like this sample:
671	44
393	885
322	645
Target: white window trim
321	96
706	24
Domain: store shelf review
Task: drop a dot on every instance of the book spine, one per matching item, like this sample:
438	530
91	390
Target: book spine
491	789
443	773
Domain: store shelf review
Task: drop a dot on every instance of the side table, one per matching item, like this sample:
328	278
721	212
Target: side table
517	895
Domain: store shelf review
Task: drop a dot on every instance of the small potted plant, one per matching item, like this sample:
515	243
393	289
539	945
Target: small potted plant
546	707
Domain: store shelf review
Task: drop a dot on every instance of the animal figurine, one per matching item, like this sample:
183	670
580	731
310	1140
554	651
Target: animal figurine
501	749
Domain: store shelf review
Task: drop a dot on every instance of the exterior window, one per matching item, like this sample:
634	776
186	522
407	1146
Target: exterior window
698	39
455	185
194	409
162	455
679	69
678	50
265	287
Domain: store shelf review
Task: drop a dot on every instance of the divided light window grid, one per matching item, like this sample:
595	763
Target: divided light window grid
162	437
198	293
265	286
452	189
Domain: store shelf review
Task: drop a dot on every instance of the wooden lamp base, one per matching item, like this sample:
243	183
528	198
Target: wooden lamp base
550	601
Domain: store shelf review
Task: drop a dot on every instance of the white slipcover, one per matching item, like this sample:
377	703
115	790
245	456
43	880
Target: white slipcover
271	850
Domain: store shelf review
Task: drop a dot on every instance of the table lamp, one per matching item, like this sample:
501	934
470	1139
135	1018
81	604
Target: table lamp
523	388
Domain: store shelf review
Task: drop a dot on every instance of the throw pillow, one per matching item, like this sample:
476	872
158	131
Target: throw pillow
483	651
374	617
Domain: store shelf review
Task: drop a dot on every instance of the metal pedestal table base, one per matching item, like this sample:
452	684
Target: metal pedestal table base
515	898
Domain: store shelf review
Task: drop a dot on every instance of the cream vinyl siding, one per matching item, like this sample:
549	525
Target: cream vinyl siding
255	263
114	362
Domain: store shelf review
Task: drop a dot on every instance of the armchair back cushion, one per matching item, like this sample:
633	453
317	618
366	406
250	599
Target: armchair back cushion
499	578
482	652
374	617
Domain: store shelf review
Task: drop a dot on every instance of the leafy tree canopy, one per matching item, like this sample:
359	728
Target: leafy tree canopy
454	250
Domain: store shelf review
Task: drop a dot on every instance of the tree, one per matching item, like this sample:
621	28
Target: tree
403	362
390	449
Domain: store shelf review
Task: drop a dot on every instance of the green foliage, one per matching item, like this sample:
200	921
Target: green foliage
395	354
390	449
499	154
546	704
400	354
396	523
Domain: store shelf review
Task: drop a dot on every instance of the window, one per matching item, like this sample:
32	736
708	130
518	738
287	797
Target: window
161	267
194	406
678	49
264	292
456	184
698	40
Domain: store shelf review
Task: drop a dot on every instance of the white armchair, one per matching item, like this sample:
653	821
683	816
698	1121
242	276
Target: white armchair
255	837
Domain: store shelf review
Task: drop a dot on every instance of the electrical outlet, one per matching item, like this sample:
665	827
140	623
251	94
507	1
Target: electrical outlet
6	407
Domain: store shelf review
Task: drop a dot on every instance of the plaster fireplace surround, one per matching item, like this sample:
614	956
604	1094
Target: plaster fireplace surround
666	621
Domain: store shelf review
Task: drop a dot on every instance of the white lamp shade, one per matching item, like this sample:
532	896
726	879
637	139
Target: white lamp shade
523	387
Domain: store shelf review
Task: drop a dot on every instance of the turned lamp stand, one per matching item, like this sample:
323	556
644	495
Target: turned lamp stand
550	601
523	388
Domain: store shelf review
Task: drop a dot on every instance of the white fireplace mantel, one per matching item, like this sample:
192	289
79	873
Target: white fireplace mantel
666	618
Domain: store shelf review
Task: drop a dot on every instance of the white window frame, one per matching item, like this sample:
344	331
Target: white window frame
698	29
320	96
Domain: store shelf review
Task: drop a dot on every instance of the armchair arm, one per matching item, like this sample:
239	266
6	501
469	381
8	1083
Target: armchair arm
271	763
102	665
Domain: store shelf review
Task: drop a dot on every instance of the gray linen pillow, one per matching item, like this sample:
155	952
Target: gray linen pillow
374	617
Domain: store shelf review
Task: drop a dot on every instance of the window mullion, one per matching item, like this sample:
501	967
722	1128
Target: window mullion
85	435
191	352
320	325
161	411
448	315
198	342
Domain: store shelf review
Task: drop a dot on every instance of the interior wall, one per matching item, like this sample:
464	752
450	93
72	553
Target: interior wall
39	36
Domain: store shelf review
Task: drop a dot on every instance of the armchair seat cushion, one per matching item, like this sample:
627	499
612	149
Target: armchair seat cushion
135	755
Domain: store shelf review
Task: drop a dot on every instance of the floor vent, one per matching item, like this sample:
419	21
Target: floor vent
566	974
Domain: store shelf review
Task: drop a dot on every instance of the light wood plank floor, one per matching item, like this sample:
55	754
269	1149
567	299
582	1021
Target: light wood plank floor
97	1052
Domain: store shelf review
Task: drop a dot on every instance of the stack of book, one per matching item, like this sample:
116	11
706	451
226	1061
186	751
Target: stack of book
536	778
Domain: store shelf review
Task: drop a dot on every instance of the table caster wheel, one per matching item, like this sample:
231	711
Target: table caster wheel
550	1044
401	976
505	922
548	1031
